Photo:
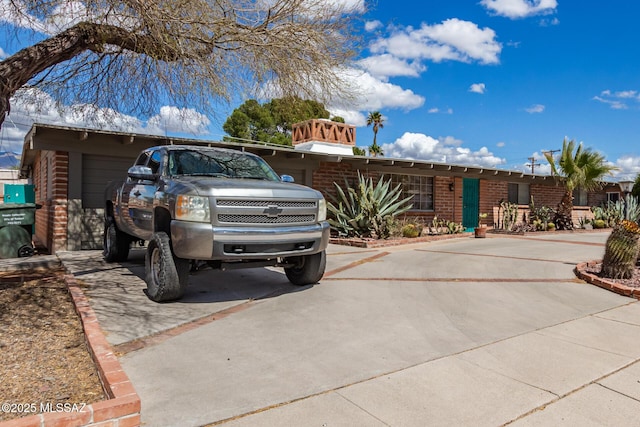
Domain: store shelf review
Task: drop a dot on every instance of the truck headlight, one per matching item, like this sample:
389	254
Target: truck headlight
322	210
192	208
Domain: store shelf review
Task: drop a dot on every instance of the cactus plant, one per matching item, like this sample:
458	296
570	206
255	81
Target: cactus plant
509	214
621	252
410	230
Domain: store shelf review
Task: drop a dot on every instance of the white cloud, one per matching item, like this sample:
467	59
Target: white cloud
179	120
535	109
500	144
355	5
629	167
477	88
520	8
618	100
60	17
616	105
372	25
386	65
3	54
371	94
453	39
31	105
436	110
549	22
419	146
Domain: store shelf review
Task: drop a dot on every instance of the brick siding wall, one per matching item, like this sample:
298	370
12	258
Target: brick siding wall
50	177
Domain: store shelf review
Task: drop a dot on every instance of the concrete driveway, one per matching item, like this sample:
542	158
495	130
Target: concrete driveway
462	332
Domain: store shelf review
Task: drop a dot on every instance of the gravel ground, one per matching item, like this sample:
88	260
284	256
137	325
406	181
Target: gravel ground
45	365
633	282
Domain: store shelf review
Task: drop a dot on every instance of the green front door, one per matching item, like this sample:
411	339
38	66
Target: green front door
470	202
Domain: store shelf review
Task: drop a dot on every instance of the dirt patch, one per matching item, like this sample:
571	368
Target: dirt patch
44	362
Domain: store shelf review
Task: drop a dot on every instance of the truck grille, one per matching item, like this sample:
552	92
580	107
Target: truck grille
265	211
265	203
263	219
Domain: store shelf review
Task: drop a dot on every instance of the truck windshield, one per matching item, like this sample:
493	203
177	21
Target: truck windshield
220	164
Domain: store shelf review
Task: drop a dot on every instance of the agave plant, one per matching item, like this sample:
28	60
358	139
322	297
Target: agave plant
632	210
367	210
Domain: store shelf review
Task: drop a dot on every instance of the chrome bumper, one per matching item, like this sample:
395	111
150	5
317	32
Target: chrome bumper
201	241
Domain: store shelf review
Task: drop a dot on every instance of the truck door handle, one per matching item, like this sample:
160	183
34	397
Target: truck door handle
137	193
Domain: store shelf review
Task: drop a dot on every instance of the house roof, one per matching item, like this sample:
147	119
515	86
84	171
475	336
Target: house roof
94	141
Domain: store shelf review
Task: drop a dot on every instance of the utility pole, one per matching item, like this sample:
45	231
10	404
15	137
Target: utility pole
533	164
551	153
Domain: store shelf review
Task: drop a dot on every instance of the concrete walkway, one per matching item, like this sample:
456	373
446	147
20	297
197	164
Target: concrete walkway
463	332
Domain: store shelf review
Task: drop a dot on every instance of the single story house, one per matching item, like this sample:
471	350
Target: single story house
70	168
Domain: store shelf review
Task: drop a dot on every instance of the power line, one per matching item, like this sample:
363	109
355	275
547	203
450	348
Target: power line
551	152
533	164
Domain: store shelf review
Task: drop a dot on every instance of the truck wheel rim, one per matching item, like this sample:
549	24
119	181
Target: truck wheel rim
155	264
109	241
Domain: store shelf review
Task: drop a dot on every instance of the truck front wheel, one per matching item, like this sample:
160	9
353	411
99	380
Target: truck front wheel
307	269
166	275
115	244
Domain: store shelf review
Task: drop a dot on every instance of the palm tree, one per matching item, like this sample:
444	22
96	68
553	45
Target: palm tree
375	119
582	169
375	150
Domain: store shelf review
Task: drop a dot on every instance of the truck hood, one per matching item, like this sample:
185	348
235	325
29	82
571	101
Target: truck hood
240	188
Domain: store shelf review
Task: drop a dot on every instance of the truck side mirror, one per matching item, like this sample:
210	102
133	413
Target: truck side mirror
286	178
141	172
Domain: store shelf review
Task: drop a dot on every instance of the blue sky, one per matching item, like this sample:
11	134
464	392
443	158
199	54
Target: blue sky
565	69
488	83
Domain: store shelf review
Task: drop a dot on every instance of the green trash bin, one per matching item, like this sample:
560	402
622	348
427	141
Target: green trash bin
16	225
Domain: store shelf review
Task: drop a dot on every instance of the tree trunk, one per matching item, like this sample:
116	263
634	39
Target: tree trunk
19	68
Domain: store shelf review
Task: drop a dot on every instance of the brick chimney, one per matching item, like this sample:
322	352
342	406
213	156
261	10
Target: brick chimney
323	131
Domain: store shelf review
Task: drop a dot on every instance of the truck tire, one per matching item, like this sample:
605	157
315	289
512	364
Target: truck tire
308	270
115	246
167	276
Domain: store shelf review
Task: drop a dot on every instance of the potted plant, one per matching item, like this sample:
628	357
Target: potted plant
481	230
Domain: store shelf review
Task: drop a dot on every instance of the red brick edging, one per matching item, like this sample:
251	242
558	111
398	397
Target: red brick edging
383	243
122	409
604	283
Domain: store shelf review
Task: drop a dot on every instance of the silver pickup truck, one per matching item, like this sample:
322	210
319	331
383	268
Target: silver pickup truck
224	207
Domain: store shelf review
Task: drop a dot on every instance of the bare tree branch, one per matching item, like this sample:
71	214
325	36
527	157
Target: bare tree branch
193	53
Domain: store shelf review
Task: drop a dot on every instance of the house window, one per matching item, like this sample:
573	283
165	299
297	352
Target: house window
518	193
419	188
579	197
613	197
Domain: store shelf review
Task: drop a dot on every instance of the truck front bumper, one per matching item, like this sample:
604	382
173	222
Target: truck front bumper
202	241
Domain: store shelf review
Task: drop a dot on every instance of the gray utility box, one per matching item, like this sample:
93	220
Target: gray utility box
16	228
